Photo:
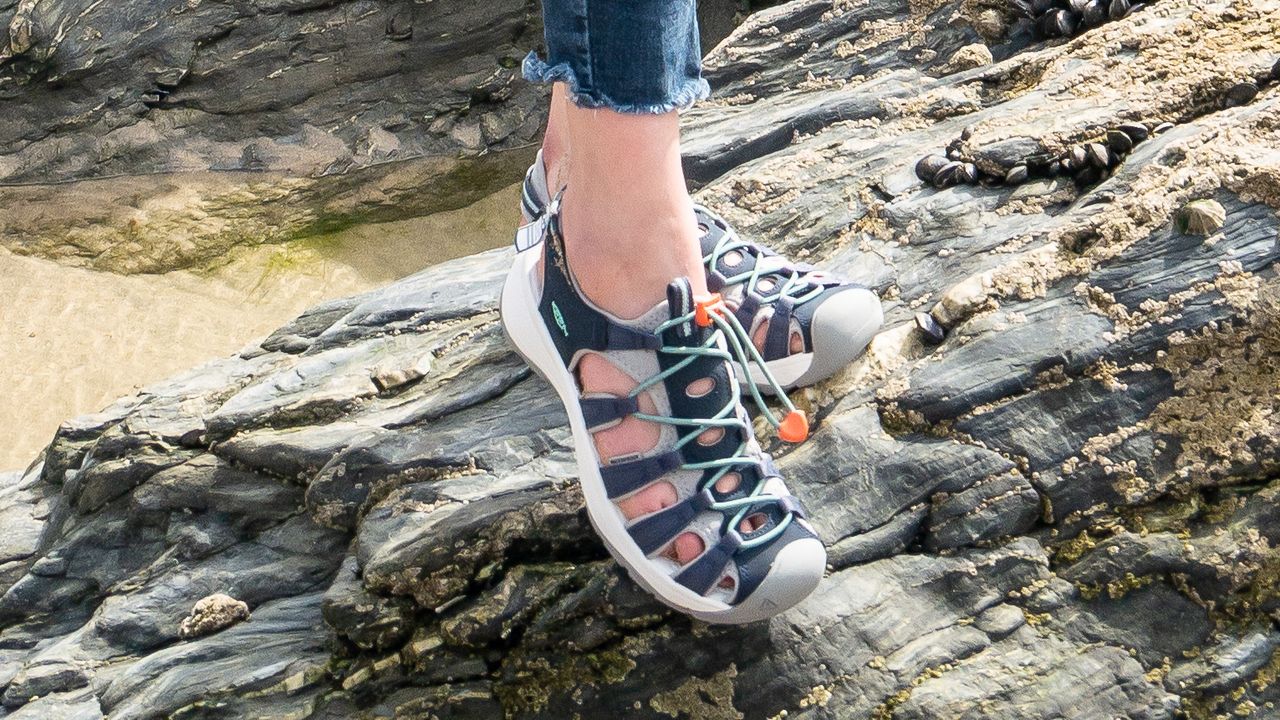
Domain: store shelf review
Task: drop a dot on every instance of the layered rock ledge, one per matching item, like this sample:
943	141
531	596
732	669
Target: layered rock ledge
1066	508
149	135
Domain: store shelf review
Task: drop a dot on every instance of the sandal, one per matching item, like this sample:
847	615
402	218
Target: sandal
833	319
679	354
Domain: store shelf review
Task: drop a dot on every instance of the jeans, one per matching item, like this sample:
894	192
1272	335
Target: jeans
630	56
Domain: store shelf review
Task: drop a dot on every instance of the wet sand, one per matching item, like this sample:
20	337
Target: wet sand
74	340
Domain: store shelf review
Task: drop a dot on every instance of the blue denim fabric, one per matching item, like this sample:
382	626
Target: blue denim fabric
631	56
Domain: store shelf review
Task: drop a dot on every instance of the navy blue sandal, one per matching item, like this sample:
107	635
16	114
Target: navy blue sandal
833	318
681	356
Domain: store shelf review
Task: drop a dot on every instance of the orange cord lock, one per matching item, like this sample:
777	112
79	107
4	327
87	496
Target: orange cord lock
794	428
703	308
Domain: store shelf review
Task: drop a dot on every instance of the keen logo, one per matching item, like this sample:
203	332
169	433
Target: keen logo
555	311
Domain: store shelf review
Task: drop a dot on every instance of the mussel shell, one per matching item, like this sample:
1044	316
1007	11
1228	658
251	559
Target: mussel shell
1119	141
1118	9
930	330
1017	175
1163	127
1044	27
1076	158
1098	155
1095	13
1241	94
1067	23
928	166
969	173
1077	6
1275	71
1040	7
1137	132
1056	23
948	175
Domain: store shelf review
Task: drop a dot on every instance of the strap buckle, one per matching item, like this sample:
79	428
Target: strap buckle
533	232
704	307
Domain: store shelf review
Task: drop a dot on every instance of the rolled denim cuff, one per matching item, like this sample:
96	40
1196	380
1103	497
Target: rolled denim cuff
690	90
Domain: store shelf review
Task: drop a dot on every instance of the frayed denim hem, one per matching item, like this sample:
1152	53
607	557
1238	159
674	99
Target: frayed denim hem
535	69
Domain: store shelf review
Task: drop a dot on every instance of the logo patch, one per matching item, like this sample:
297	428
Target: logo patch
555	312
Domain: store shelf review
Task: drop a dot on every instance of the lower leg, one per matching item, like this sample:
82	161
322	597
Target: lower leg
626	214
555	142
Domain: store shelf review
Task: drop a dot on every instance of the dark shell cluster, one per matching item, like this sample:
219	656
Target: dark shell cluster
1066	18
1087	163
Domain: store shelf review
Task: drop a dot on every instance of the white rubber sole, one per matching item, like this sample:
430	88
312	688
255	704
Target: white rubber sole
529	335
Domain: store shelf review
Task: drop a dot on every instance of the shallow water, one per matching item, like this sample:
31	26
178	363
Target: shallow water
73	340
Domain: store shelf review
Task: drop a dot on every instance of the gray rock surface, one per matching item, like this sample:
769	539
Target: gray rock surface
147	135
1067	509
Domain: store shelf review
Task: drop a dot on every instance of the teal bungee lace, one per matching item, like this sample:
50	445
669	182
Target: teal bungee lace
801	291
743	350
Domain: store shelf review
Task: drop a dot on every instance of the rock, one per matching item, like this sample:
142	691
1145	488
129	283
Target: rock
1068	508
212	614
1201	217
969	57
79	704
391	376
157	140
36	680
962	300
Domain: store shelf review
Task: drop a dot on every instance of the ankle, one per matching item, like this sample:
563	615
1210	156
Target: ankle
555	141
623	254
555	165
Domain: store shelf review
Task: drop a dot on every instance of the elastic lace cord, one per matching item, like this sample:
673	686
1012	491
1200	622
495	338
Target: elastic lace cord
791	286
733	332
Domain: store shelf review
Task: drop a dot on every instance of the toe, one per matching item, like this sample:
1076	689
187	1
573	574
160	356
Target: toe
648	500
632	436
687	548
795	345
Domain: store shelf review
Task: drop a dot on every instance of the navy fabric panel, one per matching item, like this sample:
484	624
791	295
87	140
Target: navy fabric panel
777	339
701	575
599	411
747	309
620	337
652	533
715	281
573	324
754	564
716	229
677	384
627	477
